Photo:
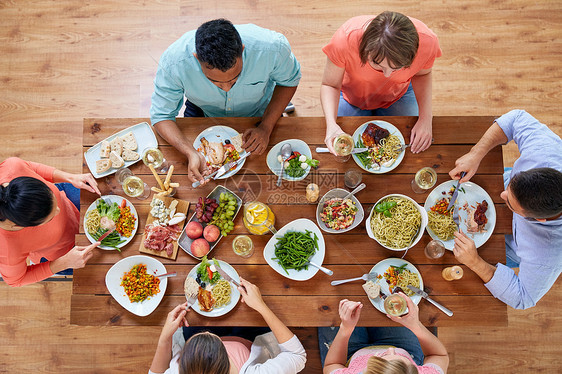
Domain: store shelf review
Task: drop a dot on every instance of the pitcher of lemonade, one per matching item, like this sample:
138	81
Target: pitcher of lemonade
258	218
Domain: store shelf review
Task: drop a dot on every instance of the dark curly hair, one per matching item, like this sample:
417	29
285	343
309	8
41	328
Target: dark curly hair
538	192
26	202
218	44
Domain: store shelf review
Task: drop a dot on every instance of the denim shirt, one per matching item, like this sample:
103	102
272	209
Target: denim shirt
267	61
537	244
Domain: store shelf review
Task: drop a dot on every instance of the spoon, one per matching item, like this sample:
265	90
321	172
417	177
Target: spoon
325	270
286	150
357	189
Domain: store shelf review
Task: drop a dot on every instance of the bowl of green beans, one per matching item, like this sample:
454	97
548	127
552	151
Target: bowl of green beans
293	246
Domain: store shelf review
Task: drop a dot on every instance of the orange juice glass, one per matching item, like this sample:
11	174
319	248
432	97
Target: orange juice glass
258	218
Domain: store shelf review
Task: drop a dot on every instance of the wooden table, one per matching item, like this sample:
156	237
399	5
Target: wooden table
314	302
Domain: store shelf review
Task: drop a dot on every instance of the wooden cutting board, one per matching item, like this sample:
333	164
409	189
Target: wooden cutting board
182	207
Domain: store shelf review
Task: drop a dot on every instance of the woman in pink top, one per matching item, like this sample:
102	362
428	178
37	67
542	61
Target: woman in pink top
378	353
37	220
276	352
375	65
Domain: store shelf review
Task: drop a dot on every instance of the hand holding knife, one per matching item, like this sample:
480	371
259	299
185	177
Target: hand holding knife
225	168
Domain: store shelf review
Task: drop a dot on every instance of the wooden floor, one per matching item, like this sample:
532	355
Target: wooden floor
63	60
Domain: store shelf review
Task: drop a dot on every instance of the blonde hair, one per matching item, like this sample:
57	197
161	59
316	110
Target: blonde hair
378	365
390	35
204	353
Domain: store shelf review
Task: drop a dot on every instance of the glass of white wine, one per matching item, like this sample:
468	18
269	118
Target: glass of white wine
424	180
132	185
343	145
154	157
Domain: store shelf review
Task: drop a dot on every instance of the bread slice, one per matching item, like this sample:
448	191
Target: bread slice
117	145
103	165
372	289
129	141
116	160
105	149
129	155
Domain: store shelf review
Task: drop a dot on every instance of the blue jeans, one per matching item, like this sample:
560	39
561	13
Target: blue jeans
71	192
407	105
192	110
397	336
248	333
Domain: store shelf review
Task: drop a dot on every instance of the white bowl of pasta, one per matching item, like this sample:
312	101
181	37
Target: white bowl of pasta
396	222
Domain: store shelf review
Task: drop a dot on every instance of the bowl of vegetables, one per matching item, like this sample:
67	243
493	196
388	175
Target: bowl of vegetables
293	246
335	214
111	213
297	166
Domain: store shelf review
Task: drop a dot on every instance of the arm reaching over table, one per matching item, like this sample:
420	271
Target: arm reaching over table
329	97
420	137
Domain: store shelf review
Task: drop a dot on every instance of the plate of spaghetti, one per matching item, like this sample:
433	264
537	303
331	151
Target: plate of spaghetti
396	272
477	214
215	295
383	141
396	222
133	284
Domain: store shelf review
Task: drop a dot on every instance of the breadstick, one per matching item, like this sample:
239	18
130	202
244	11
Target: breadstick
157	177
156	189
169	177
174	185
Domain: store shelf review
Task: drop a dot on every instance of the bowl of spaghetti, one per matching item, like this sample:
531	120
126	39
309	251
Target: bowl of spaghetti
396	222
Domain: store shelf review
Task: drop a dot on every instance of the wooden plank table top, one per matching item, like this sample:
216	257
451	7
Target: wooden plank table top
313	302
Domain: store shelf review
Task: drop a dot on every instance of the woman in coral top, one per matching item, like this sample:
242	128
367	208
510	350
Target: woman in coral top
380	66
37	220
378	350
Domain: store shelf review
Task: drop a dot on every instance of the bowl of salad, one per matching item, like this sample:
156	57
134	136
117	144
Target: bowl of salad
297	166
335	214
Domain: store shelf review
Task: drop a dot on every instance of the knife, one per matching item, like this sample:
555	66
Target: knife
425	296
355	150
227	277
231	165
105	235
454	197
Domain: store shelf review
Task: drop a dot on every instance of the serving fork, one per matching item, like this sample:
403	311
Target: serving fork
366	277
190	301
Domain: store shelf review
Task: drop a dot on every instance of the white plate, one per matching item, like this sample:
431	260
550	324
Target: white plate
145	139
275	166
380	268
219	134
234	296
393	131
473	194
114	277
300	225
113	199
341	193
420	232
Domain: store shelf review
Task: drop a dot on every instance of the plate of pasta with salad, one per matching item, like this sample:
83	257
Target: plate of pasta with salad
396	272
215	295
384	142
477	214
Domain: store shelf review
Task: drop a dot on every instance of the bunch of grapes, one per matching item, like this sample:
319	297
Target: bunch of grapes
205	208
222	217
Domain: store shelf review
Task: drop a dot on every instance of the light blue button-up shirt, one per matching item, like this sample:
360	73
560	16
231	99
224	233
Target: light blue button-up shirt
267	61
537	244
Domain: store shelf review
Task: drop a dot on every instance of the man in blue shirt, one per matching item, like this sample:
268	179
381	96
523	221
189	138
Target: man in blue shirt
534	194
224	71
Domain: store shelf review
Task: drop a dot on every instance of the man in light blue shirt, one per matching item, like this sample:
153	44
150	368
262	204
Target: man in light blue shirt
534	194
224	71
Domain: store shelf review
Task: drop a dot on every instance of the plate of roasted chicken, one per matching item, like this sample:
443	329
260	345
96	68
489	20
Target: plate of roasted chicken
384	144
220	145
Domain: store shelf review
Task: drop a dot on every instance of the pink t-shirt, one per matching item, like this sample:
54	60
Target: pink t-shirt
365	87
358	361
238	349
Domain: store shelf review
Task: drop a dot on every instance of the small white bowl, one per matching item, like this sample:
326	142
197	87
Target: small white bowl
341	193
275	166
421	229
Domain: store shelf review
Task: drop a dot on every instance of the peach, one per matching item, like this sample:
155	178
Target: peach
211	233
194	230
200	247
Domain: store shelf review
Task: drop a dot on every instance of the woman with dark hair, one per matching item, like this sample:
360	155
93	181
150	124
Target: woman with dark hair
381	350
38	220
276	352
380	66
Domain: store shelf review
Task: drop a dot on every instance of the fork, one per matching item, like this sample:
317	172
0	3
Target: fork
190	301
456	216
365	277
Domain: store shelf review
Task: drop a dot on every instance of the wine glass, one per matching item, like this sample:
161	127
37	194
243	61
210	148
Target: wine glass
132	185
424	180
155	157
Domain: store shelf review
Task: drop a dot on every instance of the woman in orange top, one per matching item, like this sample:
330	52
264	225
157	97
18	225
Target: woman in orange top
380	66
37	220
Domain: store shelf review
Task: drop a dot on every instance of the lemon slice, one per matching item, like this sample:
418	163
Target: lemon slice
258	209
250	217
